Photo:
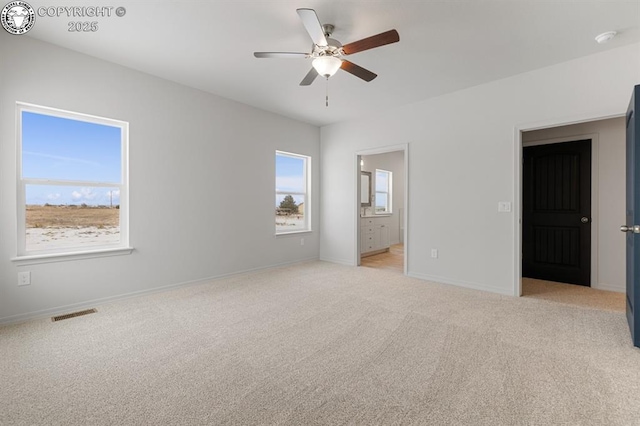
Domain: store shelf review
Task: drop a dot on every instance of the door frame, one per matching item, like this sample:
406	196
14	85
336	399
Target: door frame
374	151
595	146
517	179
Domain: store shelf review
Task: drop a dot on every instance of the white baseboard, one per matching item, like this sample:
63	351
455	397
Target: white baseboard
45	313
609	287
338	261
459	283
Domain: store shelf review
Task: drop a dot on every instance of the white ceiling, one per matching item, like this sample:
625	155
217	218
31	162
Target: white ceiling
444	46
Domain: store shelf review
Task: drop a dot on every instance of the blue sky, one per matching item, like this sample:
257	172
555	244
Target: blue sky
289	173
289	176
63	149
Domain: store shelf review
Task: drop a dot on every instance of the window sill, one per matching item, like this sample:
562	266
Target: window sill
284	234
65	257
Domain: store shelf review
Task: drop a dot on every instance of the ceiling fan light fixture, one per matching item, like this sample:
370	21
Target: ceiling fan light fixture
326	65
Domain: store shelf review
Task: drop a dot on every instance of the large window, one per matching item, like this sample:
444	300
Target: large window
72	182
292	209
383	191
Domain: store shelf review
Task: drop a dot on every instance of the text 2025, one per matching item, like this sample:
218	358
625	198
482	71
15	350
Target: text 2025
83	27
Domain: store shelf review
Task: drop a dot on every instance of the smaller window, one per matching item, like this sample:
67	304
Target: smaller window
383	191
293	209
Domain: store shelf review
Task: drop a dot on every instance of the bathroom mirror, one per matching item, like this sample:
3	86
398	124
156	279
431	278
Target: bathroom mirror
365	189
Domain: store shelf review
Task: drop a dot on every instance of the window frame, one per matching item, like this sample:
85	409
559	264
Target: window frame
388	192
57	254
306	194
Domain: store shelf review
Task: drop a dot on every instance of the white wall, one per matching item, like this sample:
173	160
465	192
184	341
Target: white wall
393	162
201	179
462	150
610	194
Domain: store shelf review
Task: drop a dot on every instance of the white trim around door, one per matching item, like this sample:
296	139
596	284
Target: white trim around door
517	187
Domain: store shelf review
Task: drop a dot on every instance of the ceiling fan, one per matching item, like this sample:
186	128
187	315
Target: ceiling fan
328	53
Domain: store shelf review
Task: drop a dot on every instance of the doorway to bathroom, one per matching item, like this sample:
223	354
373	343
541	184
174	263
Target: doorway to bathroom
381	221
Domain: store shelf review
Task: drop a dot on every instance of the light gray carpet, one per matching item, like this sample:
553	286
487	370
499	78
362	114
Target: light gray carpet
319	343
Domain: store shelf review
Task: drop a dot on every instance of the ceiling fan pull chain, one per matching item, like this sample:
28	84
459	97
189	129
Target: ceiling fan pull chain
327	94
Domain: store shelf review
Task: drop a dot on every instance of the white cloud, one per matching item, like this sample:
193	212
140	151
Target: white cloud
53	196
85	194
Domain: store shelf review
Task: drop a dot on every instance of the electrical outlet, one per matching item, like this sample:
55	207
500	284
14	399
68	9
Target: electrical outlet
301	241
504	206
434	253
24	278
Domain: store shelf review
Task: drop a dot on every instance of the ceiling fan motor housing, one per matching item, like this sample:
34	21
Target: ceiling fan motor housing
333	48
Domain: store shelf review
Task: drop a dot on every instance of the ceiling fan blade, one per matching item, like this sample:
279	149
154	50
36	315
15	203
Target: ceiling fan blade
378	40
309	78
283	55
357	70
312	24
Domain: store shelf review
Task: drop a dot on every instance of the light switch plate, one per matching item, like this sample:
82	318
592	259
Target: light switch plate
504	206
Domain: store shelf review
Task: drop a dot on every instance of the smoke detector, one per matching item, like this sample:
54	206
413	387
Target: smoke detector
605	37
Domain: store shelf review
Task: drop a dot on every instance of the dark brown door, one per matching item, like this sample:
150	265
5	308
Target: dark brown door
556	219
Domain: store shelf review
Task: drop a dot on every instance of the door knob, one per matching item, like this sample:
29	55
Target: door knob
635	229
584	219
